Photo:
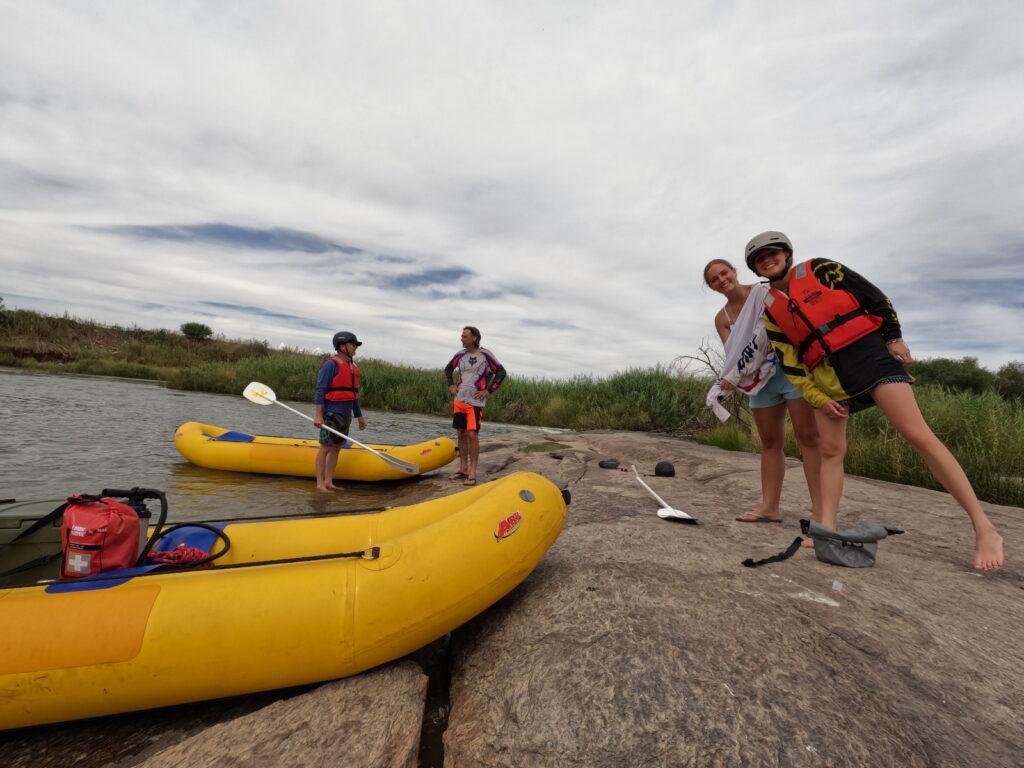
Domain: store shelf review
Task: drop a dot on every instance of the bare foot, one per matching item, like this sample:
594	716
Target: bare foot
807	543
988	550
321	489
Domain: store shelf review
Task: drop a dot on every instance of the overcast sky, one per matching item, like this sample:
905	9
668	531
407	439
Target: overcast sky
556	173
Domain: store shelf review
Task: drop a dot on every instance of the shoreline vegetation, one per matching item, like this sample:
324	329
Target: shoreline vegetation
982	420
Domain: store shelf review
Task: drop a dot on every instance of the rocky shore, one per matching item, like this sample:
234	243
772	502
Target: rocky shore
639	641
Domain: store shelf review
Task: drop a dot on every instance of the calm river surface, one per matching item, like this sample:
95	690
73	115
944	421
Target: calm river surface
61	435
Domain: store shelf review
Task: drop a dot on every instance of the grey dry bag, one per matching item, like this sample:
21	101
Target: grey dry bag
852	547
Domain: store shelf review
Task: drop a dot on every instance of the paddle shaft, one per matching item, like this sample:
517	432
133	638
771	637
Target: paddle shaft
650	490
404	466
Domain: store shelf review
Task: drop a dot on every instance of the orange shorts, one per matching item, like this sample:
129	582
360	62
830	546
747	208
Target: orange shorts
467	416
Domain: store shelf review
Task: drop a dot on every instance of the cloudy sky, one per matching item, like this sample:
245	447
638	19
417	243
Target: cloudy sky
556	173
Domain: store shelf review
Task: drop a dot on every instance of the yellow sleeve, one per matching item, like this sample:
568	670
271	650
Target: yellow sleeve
795	371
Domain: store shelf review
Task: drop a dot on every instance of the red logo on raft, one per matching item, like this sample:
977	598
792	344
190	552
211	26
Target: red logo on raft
425	451
508	526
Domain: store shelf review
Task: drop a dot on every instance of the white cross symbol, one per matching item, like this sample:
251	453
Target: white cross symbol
79	563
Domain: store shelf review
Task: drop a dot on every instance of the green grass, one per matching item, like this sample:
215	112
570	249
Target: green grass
984	431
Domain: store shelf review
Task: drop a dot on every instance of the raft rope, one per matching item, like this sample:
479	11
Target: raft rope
288	515
370	553
182	555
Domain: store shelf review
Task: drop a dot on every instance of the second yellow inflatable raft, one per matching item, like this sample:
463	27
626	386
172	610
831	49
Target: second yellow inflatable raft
206	445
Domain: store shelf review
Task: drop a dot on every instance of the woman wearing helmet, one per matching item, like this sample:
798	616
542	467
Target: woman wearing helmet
770	398
336	400
840	343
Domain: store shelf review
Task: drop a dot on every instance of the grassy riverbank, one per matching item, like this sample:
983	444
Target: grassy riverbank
984	430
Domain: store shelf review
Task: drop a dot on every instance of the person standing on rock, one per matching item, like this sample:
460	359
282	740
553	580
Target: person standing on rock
336	401
840	342
479	374
753	368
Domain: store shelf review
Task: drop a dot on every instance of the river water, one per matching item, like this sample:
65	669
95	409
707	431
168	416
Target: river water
61	435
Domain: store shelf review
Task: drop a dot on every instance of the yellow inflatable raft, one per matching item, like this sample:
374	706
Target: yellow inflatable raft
293	601
217	448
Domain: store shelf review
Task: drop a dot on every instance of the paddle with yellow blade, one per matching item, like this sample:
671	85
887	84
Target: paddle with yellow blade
261	394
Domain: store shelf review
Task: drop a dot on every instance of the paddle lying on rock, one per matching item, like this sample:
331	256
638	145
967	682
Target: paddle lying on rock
261	394
666	512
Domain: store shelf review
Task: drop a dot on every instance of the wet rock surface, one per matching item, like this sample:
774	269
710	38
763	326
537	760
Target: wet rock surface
638	641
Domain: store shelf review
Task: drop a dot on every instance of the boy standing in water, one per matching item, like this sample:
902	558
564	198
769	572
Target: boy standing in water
337	400
480	375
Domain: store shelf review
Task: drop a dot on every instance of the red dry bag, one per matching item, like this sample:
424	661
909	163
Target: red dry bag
98	535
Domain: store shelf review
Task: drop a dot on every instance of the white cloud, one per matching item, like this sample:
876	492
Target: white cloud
591	155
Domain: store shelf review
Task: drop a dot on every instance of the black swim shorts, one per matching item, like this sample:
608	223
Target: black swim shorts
342	422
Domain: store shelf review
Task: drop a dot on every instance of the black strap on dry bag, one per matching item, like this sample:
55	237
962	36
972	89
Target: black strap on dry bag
790	551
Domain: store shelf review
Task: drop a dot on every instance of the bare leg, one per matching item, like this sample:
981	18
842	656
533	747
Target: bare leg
473	438
330	463
323	475
832	449
463	452
771	429
806	431
898	403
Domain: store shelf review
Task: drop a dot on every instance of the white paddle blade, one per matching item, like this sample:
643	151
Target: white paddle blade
668	513
258	393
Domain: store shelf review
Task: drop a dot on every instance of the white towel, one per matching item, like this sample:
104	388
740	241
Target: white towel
749	357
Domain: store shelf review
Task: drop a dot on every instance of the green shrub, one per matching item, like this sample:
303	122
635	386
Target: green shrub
964	375
1010	381
196	331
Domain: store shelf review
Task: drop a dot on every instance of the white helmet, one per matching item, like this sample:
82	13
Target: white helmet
768	240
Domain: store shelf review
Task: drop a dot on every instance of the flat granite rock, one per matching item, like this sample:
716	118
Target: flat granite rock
639	642
370	720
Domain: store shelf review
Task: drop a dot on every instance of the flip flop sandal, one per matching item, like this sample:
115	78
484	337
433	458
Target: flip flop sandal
458	476
750	517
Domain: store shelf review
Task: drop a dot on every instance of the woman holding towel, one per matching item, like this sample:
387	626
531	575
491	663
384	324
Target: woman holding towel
752	368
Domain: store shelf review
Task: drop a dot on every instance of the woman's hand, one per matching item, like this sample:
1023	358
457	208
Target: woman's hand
900	351
726	386
834	410
454	389
483	394
362	422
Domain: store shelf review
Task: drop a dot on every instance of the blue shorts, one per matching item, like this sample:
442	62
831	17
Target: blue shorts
778	390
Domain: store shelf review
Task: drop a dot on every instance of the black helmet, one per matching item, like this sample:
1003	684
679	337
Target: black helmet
664	469
346	337
767	240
